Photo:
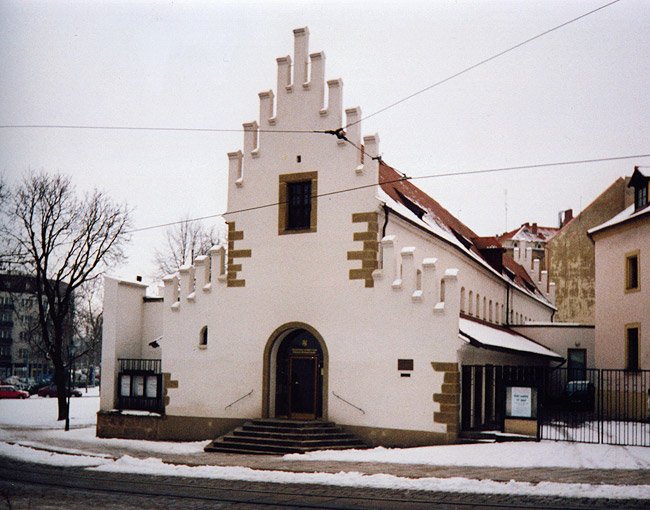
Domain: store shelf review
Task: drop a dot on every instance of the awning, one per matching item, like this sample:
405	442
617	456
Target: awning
498	338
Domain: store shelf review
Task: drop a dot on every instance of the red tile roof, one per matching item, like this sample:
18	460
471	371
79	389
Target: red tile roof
406	193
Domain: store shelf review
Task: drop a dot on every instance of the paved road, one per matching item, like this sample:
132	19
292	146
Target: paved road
24	485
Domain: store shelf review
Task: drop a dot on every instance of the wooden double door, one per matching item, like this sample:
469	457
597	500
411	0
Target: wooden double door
299	378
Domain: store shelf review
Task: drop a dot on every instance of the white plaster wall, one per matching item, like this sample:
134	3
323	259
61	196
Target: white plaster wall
561	337
614	306
305	278
121	332
472	277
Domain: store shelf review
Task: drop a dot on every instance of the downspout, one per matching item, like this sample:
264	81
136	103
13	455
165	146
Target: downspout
383	229
507	303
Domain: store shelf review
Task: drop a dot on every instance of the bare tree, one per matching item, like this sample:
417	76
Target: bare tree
63	241
184	242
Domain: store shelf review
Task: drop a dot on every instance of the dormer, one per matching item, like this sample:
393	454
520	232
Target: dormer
639	181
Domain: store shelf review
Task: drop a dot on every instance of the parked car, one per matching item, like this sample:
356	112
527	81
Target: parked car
579	396
8	391
52	391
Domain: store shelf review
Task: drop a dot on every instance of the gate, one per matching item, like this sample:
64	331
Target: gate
581	405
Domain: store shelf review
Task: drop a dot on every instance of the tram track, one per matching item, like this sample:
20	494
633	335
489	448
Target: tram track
198	491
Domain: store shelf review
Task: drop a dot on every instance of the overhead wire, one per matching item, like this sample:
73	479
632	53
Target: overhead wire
154	128
480	63
400	179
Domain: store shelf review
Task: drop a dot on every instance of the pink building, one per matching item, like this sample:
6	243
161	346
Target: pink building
622	316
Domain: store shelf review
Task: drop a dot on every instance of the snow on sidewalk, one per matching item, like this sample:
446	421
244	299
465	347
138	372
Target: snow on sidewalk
32	424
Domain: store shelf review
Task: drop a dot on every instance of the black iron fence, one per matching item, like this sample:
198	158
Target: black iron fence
140	385
586	405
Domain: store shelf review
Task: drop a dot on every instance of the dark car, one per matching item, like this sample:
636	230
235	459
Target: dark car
8	391
52	391
579	396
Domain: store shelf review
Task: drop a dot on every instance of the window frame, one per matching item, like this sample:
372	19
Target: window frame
632	363
284	181
640	197
630	274
203	337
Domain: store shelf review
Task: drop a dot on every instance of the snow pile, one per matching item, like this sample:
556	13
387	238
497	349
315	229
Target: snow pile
545	454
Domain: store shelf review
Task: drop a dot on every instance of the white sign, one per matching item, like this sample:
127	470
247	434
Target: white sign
521	402
125	389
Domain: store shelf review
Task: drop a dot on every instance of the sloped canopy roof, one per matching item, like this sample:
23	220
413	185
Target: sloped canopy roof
489	336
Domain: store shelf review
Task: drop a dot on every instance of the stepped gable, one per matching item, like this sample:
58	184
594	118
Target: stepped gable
403	191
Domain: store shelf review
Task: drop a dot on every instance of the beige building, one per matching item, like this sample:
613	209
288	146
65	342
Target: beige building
622	262
570	255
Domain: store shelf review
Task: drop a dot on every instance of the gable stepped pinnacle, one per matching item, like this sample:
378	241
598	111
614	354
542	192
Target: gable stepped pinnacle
418	281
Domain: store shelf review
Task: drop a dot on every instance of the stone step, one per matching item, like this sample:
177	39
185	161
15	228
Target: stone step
241	432
284	436
313	444
261	449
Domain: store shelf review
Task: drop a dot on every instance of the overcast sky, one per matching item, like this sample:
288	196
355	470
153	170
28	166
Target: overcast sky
580	92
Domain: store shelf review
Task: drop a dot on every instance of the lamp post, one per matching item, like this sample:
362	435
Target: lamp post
71	350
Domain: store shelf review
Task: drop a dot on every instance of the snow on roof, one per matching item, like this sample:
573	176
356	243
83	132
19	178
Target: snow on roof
496	337
530	233
622	217
410	202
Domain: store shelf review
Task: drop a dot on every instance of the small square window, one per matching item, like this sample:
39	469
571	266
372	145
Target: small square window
297	203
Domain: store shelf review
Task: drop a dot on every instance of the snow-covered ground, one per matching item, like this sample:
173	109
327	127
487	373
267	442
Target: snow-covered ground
28	428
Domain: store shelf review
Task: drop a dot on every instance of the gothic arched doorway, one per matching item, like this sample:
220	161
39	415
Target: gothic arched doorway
296	374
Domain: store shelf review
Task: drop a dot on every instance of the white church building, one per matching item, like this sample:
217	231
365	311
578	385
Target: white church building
344	294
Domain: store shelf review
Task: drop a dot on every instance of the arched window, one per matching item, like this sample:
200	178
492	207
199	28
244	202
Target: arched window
470	304
203	336
484	308
490	317
478	305
442	291
462	299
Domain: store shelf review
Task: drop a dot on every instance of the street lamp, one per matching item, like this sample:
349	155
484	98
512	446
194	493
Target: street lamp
71	350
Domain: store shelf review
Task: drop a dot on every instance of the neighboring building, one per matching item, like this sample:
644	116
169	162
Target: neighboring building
622	247
570	255
528	236
354	298
18	316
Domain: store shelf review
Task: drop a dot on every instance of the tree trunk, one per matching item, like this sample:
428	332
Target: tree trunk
61	381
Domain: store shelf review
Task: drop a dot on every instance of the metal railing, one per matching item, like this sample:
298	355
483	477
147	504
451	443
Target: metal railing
140	365
348	403
238	400
609	406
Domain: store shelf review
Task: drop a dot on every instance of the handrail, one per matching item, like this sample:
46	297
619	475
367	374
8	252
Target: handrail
240	398
348	403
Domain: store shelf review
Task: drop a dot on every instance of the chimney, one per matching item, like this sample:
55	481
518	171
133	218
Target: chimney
534	228
566	217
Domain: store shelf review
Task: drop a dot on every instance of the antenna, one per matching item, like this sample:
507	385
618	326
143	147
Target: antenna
505	193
